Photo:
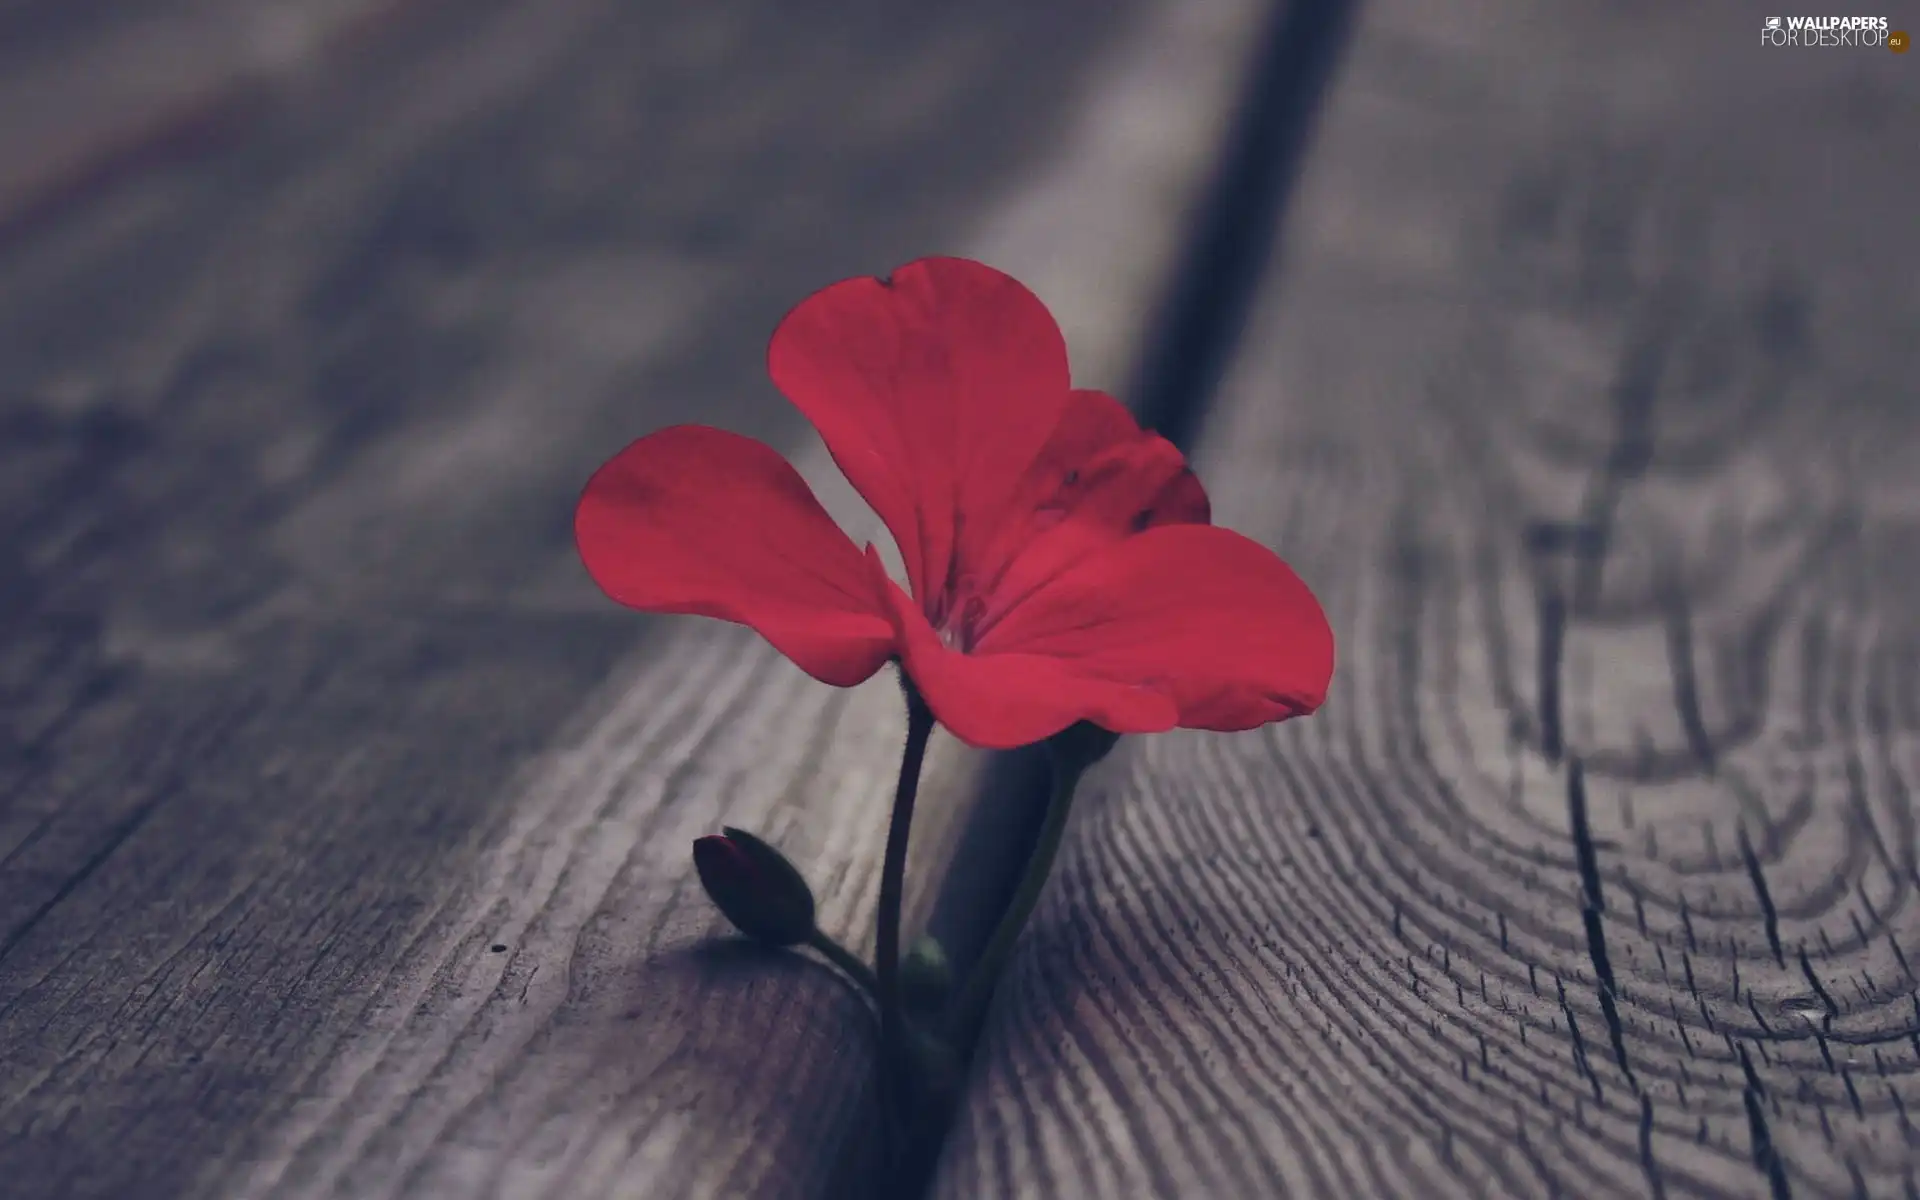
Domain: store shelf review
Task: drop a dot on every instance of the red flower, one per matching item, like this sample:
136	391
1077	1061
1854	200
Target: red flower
1062	563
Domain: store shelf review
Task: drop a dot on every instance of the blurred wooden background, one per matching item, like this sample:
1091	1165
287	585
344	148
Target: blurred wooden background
343	826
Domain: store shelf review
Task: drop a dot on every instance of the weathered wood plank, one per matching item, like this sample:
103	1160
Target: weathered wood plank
159	78
343	840
1584	402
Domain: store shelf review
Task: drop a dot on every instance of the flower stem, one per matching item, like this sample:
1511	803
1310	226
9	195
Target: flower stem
893	879
848	962
970	1006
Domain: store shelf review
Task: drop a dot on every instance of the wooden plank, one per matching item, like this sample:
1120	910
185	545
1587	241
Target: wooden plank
344	832
1584	403
92	92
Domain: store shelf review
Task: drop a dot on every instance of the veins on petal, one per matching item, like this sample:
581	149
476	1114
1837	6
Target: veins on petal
1099	480
964	632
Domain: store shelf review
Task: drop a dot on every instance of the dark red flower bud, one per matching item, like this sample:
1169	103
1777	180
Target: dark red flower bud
756	887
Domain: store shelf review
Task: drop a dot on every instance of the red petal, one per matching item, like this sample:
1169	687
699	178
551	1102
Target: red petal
698	520
997	701
1099	479
933	391
1211	619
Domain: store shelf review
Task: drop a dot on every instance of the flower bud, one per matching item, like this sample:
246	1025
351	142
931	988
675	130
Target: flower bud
755	887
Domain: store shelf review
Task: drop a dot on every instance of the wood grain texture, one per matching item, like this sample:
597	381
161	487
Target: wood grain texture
161	77
1585	403
343	827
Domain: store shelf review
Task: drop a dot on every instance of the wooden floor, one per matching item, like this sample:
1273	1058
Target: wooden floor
1582	397
343	826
